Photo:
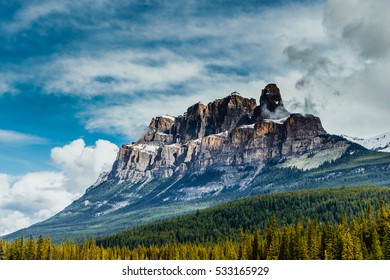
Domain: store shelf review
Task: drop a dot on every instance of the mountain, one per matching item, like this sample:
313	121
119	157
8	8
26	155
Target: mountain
227	135
379	143
228	149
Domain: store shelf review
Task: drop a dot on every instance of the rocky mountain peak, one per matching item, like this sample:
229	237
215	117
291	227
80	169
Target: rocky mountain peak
230	133
271	103
201	120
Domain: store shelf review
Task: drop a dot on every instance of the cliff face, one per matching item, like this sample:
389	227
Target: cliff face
227	134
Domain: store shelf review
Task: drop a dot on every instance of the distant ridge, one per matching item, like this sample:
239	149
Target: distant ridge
379	143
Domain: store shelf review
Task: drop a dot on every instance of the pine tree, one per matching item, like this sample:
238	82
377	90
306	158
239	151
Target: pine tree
272	239
357	248
357	239
347	252
2	250
93	250
230	251
312	242
376	250
285	244
386	240
243	253
256	246
327	242
30	249
382	220
40	248
47	248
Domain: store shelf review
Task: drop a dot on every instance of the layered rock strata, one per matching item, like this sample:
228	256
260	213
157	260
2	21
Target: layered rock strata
228	133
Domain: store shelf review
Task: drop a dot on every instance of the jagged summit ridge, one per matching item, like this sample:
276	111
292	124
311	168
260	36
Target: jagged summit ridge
216	117
227	134
201	120
379	143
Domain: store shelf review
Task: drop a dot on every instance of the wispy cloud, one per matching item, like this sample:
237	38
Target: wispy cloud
123	72
18	138
33	11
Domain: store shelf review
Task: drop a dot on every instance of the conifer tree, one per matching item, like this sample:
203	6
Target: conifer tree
347	247
40	248
256	246
30	249
376	250
386	245
2	250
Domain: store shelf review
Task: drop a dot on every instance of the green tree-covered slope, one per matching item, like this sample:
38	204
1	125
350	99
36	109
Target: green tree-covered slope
225	221
343	223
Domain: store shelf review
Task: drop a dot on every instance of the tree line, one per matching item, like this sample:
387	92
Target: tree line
224	222
364	237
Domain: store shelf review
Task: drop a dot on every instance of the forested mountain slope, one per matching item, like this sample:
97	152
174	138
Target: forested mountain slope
226	221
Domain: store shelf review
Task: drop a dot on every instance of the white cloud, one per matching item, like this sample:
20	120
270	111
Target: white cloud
31	198
37	191
7	80
5	86
122	72
11	221
36	196
82	164
32	12
344	75
365	28
4	185
18	138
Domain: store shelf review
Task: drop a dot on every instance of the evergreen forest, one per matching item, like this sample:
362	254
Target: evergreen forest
341	224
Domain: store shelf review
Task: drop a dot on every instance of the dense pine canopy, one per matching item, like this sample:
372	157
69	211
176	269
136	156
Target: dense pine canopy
345	223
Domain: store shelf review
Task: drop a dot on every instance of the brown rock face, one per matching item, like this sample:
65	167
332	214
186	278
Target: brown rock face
201	120
271	98
227	134
271	104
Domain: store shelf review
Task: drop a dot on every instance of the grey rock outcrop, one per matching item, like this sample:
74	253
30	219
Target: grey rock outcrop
227	134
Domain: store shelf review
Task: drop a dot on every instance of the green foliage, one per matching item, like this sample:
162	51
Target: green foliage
223	222
344	223
346	240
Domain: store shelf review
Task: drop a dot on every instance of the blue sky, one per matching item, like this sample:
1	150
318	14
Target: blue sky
63	63
74	72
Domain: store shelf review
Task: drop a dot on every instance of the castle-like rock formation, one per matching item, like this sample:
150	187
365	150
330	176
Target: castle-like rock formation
228	134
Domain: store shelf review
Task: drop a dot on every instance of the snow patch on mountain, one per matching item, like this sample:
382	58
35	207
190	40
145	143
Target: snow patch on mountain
172	118
146	147
252	126
278	121
379	143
